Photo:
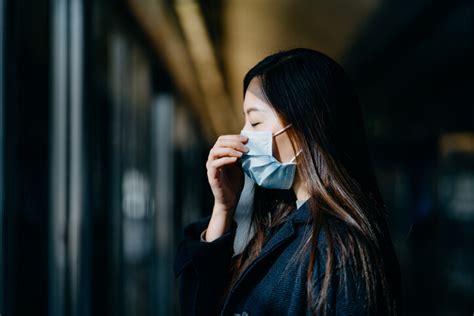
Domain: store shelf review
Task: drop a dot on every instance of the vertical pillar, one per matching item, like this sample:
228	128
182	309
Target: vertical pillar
163	178
68	295
59	158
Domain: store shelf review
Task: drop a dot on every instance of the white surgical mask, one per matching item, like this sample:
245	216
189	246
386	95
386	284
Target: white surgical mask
260	165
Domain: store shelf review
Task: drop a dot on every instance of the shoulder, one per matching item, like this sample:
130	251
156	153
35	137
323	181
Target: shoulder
334	238
351	258
337	247
335	273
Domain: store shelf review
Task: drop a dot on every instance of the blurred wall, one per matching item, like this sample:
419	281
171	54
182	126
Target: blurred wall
108	111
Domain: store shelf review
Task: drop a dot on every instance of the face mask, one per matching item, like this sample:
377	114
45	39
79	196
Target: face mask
260	165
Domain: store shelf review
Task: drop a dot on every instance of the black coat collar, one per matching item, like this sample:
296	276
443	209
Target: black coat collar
301	214
282	236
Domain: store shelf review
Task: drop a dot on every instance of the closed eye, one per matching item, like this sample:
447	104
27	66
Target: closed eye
255	124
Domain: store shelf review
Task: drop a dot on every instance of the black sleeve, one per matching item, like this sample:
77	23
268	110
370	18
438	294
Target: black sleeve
203	268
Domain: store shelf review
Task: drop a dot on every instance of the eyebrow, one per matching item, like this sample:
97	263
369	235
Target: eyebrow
250	109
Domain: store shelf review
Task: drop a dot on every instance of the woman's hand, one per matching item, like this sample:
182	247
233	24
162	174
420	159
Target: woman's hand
226	179
225	176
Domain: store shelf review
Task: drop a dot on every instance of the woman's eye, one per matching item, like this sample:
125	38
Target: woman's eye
255	124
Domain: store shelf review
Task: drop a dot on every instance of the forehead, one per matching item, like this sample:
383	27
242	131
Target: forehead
254	97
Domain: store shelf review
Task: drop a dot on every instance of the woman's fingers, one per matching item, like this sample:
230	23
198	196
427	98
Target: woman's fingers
228	145
239	137
218	152
226	150
231	143
236	141
223	161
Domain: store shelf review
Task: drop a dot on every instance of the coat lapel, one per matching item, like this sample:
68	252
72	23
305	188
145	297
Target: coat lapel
286	232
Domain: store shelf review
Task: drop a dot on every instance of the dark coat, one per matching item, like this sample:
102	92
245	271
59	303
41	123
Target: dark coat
264	288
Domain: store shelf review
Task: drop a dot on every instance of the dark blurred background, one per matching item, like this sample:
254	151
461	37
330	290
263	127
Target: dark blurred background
108	110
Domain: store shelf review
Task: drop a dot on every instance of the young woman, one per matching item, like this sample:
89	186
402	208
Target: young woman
321	245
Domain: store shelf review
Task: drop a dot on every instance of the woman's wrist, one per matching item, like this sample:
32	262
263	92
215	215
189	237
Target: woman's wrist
219	223
222	209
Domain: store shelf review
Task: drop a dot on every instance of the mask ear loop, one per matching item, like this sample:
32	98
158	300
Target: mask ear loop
297	154
283	129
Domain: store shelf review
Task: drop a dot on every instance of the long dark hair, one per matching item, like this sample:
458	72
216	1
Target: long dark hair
312	91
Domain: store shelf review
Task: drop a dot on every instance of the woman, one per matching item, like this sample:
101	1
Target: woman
321	245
